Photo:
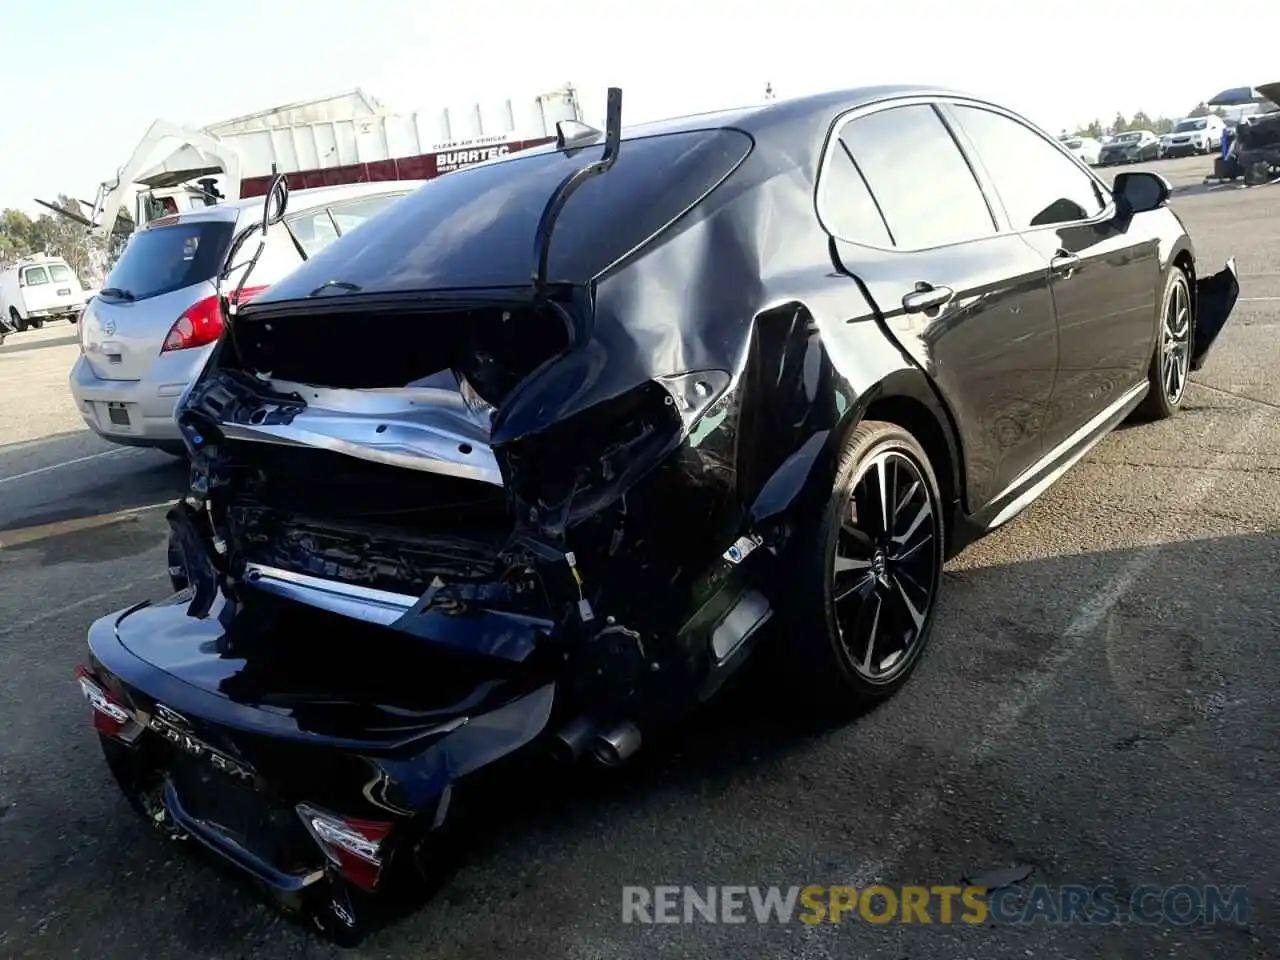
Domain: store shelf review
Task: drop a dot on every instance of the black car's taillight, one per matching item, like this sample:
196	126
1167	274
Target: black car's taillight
110	716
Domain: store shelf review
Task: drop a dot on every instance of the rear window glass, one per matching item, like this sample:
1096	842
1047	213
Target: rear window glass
475	227
163	259
60	273
35	276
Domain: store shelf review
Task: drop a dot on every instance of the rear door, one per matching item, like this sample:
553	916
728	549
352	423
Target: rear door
38	290
164	270
66	286
1105	273
970	303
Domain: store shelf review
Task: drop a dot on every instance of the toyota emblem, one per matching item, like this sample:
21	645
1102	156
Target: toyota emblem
108	326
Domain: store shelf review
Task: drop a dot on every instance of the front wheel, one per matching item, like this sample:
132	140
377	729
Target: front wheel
868	567
1171	360
19	325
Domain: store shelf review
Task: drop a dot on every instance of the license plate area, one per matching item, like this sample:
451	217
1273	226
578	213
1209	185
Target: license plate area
250	817
118	415
64	293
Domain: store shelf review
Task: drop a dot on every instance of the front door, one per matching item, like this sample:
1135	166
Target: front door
1105	272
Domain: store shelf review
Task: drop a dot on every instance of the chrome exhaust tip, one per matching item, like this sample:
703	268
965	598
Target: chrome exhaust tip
613	746
571	742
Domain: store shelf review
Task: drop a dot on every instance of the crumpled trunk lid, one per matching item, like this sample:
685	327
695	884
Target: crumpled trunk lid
290	670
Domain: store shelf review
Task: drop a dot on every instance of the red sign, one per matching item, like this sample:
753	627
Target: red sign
424	166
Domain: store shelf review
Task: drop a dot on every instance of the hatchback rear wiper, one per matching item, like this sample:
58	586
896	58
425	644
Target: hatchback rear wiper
116	293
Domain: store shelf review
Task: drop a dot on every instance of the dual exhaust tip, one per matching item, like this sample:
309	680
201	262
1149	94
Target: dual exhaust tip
609	746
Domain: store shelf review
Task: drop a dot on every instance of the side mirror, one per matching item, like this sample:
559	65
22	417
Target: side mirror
1140	191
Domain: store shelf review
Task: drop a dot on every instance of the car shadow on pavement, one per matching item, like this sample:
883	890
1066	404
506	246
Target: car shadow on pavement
1174	695
12	345
1118	765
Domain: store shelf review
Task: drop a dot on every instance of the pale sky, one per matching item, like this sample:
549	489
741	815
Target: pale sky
81	80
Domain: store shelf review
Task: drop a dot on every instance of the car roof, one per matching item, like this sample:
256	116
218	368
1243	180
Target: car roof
770	138
770	116
299	200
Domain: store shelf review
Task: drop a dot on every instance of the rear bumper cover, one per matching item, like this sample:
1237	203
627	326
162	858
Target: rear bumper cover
1216	297
150	402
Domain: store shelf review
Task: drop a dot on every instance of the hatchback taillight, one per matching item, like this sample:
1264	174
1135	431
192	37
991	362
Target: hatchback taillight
201	324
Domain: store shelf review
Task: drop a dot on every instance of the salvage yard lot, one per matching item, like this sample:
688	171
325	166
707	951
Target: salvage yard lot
1099	704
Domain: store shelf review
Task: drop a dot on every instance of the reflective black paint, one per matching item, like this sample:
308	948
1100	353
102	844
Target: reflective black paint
612	460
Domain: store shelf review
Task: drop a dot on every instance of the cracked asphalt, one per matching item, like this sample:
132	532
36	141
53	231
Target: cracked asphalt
1099	706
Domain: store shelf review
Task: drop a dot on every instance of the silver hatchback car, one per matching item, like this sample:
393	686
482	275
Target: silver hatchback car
148	332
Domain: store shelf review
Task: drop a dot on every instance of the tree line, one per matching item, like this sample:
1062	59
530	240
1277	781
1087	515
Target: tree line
1143	121
22	236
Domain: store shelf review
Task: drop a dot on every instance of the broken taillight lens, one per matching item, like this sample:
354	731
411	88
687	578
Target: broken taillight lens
109	716
201	324
353	846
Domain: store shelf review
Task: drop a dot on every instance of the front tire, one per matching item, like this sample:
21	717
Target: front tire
1171	359
19	325
867	571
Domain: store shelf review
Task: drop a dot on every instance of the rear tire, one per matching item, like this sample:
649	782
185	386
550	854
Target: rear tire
866	574
1171	358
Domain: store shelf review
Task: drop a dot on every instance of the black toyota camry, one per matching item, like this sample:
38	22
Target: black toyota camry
533	458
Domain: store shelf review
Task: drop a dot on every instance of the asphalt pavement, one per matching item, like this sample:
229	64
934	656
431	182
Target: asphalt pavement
1098	707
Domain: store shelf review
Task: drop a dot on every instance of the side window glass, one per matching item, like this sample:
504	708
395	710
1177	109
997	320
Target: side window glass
313	230
279	259
351	215
919	177
1038	185
847	207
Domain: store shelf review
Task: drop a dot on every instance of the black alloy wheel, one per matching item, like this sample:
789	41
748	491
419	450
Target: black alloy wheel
869	575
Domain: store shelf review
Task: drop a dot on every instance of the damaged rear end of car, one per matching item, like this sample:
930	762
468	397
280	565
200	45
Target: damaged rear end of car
440	510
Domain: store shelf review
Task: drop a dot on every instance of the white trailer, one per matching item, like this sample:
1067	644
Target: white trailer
349	138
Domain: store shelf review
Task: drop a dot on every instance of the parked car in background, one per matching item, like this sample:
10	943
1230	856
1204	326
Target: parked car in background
1134	146
39	289
145	335
1193	135
540	468
1255	152
1086	149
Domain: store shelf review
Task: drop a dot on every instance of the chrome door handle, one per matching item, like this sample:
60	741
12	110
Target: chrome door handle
926	297
1063	262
